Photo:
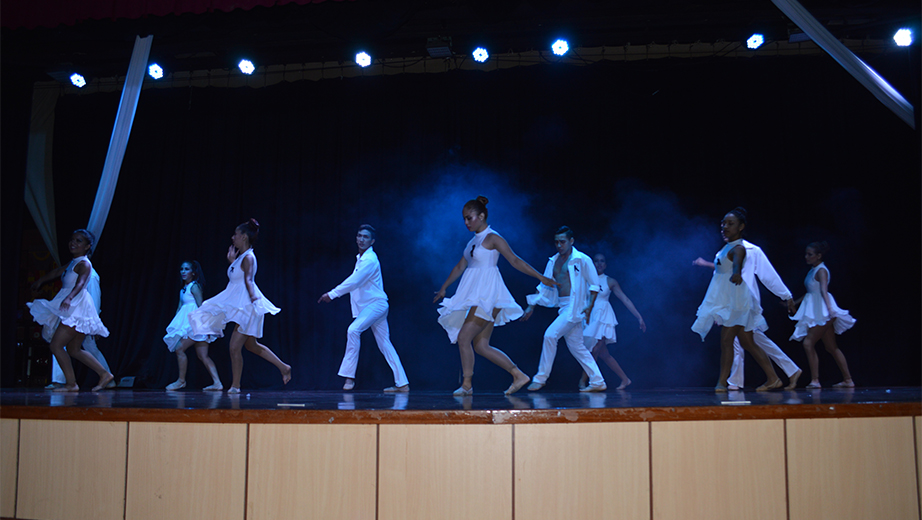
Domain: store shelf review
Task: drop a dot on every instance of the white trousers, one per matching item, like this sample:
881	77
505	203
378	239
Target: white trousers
89	345
774	353
573	334
374	317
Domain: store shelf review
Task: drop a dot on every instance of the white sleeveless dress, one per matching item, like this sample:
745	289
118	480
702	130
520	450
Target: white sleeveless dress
813	312
482	286
180	328
233	305
81	315
726	303
602	321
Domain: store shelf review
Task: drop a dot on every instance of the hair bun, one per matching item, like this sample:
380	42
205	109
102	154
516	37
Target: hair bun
483	200
741	210
254	224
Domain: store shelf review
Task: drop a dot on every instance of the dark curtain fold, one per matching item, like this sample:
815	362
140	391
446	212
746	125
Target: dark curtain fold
640	159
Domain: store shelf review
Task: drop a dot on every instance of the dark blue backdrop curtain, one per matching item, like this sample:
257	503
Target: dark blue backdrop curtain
641	159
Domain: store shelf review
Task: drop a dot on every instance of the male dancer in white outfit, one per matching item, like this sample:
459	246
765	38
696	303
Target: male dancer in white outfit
757	265
579	286
365	287
89	342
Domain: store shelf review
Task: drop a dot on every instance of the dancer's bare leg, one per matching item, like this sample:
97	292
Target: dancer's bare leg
75	350
63	336
829	341
813	335
201	350
772	379
183	362
498	357
726	355
612	363
471	328
236	356
264	352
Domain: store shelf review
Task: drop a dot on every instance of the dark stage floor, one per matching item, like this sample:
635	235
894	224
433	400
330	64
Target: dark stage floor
444	401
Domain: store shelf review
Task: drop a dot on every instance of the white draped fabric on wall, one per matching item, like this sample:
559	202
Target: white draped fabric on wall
39	190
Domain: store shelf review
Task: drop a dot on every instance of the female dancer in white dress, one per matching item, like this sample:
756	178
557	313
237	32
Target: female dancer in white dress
242	303
819	318
601	329
482	300
179	336
730	304
68	318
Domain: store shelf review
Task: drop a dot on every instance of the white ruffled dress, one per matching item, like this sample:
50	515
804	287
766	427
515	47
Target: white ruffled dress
726	303
81	315
180	328
233	305
481	286
813	312
602	321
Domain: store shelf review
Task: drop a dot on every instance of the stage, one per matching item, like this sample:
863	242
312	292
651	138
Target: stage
646	454
260	406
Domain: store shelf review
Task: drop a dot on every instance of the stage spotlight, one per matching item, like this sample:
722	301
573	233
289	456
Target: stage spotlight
78	80
363	59
155	71
481	55
903	37
560	47
246	66
755	41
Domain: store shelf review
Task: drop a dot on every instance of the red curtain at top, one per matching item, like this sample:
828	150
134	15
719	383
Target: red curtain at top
52	13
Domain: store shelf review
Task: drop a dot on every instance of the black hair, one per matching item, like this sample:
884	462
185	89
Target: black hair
479	205
198	276
740	213
564	230
820	247
369	228
251	228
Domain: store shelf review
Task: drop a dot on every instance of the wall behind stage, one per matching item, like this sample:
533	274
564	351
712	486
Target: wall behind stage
640	159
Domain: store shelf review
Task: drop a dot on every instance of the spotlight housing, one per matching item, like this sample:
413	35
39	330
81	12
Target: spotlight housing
363	59
78	80
755	41
246	67
903	37
439	47
480	55
560	47
155	71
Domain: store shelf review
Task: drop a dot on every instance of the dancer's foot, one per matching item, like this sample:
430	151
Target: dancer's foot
397	389
601	387
463	392
104	382
349	384
792	381
624	383
233	390
733	388
535	386
814	384
176	385
52	386
215	387
771	385
286	374
67	388
517	383
848	383
583	381
720	388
